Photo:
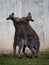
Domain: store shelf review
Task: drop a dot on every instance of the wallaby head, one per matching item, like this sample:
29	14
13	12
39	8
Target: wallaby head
10	16
29	17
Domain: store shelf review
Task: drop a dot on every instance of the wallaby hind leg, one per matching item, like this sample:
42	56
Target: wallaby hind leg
21	44
19	51
33	53
24	49
37	46
14	48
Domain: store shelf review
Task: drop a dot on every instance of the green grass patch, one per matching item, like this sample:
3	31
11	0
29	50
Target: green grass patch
15	60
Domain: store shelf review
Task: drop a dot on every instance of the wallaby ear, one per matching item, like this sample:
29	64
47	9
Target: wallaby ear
12	14
29	14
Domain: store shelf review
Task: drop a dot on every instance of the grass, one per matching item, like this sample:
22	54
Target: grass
14	60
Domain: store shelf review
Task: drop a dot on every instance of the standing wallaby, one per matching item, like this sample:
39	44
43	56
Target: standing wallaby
32	36
19	35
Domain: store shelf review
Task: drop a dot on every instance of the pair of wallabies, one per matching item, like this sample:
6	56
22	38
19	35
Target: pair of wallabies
25	36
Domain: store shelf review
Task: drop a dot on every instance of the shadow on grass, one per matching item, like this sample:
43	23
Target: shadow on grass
43	55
